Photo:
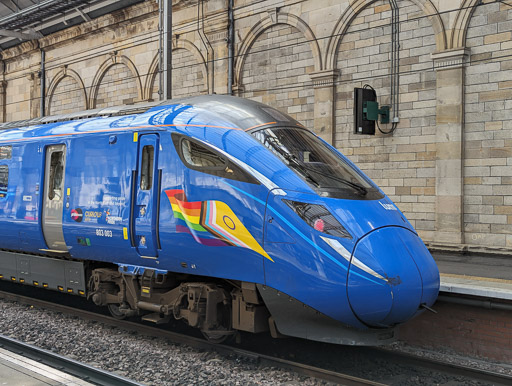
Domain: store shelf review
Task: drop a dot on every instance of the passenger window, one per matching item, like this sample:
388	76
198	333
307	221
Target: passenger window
5	152
4	179
56	176
199	156
146	178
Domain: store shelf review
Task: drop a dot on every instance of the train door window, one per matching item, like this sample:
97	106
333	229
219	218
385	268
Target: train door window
146	177
56	176
4	179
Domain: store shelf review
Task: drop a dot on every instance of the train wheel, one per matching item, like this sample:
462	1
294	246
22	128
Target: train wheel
216	337
115	312
223	331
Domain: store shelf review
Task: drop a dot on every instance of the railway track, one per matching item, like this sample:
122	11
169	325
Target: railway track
66	365
263	359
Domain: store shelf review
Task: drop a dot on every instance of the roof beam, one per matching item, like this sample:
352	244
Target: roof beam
92	5
71	14
83	14
20	35
11	5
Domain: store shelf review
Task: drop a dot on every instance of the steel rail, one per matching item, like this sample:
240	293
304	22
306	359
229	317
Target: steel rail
263	360
310	371
77	369
451	368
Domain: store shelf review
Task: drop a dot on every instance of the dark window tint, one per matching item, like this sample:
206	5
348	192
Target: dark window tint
316	163
5	152
146	178
56	176
200	157
4	178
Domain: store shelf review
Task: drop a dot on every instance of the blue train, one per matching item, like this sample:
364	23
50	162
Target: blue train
220	211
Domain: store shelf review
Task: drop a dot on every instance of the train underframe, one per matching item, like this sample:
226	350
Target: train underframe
219	308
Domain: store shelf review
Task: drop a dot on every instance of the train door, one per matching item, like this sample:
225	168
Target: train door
53	199
145	197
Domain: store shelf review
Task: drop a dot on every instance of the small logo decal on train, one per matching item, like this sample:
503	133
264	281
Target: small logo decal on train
387	206
77	214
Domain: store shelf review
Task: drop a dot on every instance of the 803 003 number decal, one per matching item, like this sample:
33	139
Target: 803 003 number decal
104	232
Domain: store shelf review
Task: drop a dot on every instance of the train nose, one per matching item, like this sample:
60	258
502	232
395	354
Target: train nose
391	274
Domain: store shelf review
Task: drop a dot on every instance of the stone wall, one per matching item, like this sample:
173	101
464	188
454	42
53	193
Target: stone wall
276	67
488	127
67	97
447	165
118	86
403	164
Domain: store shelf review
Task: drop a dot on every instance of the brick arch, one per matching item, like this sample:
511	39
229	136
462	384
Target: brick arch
268	22
457	36
105	66
357	6
60	76
155	64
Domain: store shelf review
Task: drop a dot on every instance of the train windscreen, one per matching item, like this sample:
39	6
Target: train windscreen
317	164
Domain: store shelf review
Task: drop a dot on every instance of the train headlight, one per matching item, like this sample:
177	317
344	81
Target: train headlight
319	218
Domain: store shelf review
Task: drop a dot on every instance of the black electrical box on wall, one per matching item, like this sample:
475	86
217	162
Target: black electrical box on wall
361	123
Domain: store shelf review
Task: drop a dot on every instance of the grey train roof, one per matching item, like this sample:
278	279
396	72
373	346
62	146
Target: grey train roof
241	112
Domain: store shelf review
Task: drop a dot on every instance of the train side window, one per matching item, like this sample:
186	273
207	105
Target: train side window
4	180
146	178
56	176
198	156
5	152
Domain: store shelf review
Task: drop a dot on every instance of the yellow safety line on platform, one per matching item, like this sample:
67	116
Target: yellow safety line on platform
478	278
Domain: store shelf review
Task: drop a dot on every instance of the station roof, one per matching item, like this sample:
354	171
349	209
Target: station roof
22	20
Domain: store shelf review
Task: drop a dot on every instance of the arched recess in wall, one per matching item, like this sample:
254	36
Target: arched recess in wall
458	34
487	112
357	6
271	20
122	81
275	63
66	93
363	57
151	83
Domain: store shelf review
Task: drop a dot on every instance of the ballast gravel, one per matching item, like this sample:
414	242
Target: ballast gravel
147	360
154	361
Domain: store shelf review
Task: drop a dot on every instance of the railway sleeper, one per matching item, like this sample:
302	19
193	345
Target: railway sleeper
218	310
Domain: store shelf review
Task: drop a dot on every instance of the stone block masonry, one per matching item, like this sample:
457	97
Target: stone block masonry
447	166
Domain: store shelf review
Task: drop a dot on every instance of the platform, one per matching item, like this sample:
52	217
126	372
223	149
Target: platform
475	275
17	370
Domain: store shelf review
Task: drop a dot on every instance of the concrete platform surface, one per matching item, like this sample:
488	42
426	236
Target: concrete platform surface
476	275
16	370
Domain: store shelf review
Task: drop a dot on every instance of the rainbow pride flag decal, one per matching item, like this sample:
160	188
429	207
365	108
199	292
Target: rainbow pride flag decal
211	223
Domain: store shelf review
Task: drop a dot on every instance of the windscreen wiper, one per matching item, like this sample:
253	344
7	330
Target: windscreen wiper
291	159
360	188
304	169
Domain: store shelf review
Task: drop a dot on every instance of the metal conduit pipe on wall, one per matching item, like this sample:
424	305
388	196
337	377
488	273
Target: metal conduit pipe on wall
43	84
210	53
231	45
165	49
